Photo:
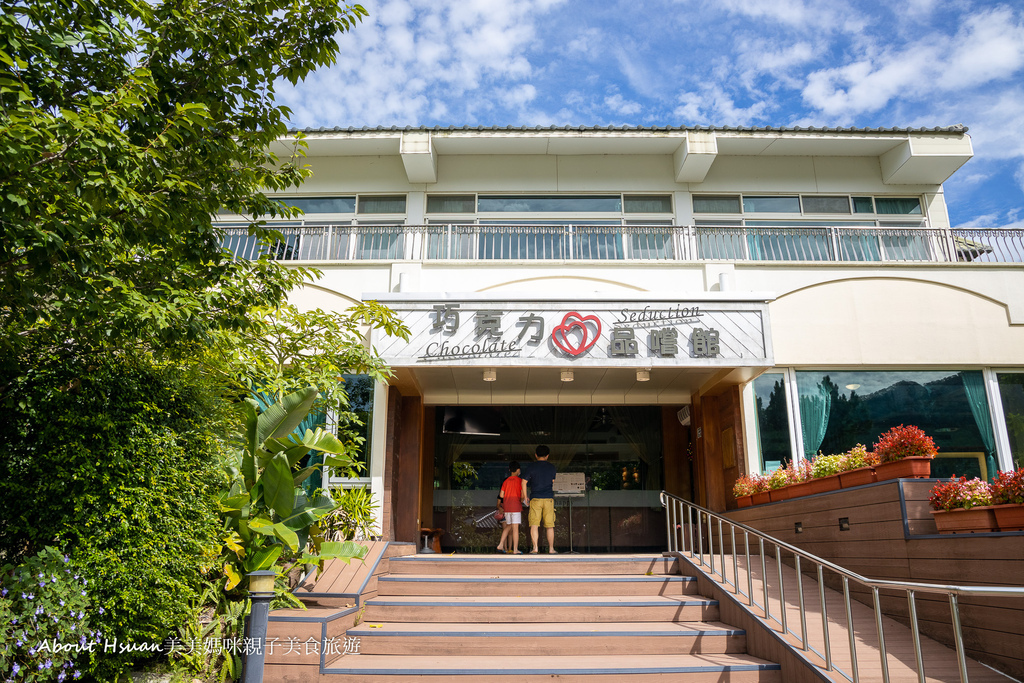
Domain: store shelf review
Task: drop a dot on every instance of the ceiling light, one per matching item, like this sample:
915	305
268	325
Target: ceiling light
490	375
567	376
853	387
643	375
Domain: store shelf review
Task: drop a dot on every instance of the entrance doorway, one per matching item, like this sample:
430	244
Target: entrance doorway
617	449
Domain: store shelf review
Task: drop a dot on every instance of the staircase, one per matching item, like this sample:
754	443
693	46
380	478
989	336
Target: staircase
536	617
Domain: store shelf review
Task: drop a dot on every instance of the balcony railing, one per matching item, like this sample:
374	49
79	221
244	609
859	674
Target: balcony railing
330	243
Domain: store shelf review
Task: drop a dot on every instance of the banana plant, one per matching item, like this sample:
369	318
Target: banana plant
267	514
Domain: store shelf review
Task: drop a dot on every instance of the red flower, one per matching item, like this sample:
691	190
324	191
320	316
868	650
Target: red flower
904	442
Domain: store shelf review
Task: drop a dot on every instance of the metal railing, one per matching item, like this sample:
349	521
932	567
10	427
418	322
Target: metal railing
460	242
707	538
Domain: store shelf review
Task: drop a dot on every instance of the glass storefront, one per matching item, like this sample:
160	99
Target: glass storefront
841	409
772	420
1011	391
618	449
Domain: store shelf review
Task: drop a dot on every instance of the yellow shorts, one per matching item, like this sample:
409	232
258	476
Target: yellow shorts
542	509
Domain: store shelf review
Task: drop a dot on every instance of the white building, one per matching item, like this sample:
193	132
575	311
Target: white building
721	300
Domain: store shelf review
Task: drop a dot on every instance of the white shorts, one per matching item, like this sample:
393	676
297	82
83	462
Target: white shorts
513	517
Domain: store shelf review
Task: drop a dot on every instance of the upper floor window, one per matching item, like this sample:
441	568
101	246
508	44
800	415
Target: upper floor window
800	206
551	209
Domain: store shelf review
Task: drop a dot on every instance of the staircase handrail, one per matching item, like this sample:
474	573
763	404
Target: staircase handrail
679	511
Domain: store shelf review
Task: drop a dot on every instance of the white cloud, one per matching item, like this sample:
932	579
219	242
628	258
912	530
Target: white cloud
713	106
621	105
410	61
989	47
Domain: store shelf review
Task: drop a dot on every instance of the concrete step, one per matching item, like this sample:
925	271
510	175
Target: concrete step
567	638
527	585
492	565
530	668
502	610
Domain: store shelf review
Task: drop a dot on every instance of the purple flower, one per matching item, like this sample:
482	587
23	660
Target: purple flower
53	579
25	597
3	593
61	677
78	674
66	559
20	642
42	576
81	641
49	663
101	610
83	594
16	669
61	603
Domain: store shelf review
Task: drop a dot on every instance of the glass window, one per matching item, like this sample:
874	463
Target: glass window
772	421
826	204
840	409
715	204
359	390
393	204
465	203
771	204
550	203
863	205
616	449
1011	390
321	204
648	203
905	205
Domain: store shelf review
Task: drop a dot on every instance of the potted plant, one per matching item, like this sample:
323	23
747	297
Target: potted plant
1008	498
962	506
904	452
779	482
745	488
857	467
760	495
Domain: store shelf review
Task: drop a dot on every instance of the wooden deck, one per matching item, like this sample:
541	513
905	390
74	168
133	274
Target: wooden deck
940	662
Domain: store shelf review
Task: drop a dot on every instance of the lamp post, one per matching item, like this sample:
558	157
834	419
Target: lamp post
261	591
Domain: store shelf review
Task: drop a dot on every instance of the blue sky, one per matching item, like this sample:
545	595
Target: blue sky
905	63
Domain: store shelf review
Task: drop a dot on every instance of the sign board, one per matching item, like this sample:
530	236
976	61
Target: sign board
471	330
570	483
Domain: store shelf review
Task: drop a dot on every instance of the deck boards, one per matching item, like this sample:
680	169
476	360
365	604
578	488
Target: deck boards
940	661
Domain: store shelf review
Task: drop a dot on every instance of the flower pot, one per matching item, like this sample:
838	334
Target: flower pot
744	501
811	487
779	495
859	477
907	468
1009	517
960	521
761	498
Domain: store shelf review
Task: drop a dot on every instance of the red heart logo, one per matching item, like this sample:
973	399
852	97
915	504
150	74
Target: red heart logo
576	325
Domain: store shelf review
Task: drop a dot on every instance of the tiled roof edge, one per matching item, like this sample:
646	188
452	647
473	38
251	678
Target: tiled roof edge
958	128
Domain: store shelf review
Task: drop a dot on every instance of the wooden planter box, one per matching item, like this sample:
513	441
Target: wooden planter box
858	477
1009	517
744	501
778	495
907	468
814	486
761	498
977	520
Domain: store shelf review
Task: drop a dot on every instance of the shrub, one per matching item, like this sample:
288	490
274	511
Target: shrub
856	458
904	442
960	493
782	477
118	464
748	485
44	620
825	466
1008	487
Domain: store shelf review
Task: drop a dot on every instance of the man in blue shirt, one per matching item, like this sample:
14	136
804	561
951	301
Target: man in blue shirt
541	476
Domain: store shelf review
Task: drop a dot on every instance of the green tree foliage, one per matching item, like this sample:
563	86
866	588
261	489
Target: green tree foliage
125	126
118	465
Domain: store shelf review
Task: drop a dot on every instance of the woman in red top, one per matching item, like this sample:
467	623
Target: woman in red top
511	504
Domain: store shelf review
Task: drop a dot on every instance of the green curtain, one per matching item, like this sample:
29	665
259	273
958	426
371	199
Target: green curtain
814	412
974	386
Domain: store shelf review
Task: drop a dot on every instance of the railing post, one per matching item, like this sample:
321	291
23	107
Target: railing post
764	578
750	574
958	637
881	635
855	668
782	589
916	635
721	552
735	561
824	618
803	612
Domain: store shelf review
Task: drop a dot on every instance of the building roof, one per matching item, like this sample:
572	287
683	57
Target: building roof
958	129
